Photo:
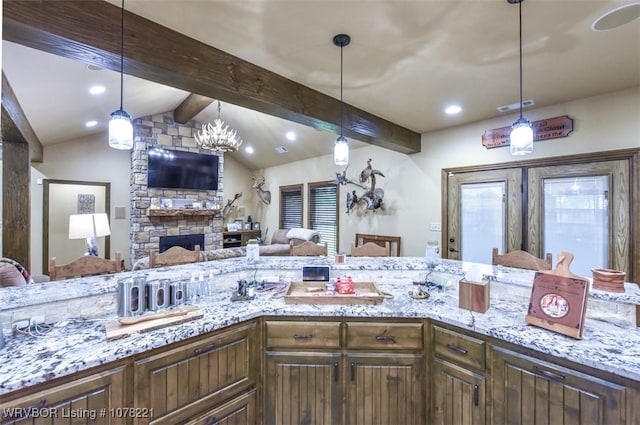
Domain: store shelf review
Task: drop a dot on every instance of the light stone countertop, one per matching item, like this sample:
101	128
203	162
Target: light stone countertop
78	343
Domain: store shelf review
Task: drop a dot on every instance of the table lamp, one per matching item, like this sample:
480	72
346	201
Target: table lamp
88	227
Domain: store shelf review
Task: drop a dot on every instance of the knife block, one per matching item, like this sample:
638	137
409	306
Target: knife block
474	296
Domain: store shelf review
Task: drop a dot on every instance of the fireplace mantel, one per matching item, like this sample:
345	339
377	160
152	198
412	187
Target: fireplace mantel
179	212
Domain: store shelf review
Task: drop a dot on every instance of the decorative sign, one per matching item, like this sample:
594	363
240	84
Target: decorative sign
552	128
86	203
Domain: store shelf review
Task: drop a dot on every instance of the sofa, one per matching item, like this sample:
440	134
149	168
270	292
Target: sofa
13	274
277	246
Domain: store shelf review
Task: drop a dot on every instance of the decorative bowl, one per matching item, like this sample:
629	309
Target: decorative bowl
608	280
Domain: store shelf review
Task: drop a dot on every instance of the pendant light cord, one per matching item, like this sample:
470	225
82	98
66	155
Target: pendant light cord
520	35
341	102
122	55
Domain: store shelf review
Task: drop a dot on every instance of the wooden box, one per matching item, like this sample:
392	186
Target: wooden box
315	292
474	296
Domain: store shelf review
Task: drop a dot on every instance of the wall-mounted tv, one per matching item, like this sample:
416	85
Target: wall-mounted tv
172	169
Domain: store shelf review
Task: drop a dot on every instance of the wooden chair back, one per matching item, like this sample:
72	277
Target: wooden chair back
521	260
307	248
87	265
370	249
174	256
394	242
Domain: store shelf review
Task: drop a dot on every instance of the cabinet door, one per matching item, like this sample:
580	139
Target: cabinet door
239	411
191	379
95	399
302	388
385	389
529	391
458	395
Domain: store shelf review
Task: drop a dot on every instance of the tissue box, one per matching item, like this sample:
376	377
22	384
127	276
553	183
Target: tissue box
473	296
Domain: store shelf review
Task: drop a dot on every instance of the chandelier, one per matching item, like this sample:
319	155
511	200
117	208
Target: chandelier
218	137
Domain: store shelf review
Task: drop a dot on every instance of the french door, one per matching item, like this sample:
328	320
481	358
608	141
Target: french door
484	212
584	204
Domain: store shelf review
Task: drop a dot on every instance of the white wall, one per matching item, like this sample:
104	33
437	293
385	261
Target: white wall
412	184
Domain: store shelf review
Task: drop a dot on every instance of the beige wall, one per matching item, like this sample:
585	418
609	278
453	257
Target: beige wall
237	178
412	183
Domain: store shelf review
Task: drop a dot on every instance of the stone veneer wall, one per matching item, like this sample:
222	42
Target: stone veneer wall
161	130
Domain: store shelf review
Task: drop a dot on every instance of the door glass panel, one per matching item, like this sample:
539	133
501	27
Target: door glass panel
483	217
576	219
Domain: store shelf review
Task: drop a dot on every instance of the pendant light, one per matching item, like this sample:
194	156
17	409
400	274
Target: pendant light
521	138
341	147
120	128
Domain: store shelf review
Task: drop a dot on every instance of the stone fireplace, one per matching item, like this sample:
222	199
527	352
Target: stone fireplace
185	241
148	230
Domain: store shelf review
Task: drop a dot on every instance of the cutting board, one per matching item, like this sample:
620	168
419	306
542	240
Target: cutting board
149	322
310	292
559	299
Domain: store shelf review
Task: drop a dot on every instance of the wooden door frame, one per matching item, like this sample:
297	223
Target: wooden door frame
631	155
45	214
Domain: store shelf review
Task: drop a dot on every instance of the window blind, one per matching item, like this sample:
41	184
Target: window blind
290	206
323	213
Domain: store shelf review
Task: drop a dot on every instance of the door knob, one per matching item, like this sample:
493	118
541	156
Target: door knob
453	250
452	240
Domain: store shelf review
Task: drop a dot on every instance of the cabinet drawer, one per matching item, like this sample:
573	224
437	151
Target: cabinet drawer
385	336
458	348
303	334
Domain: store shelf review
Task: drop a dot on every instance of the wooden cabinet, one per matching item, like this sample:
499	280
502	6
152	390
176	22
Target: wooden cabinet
197	378
98	398
527	390
457	378
239	238
344	372
239	411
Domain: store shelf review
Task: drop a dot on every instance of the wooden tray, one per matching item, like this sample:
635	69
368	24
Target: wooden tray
311	292
146	323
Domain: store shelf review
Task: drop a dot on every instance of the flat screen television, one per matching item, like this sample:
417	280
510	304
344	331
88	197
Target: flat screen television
172	169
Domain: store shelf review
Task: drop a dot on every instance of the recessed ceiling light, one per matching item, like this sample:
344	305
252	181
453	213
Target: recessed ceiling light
291	135
452	110
97	89
617	17
248	149
92	123
94	67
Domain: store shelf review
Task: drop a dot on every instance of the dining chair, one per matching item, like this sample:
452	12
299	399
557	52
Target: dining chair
521	260
370	249
307	248
87	265
174	256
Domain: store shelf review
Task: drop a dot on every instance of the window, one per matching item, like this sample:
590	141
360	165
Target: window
323	212
290	206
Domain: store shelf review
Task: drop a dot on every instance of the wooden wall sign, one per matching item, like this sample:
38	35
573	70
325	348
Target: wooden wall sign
552	128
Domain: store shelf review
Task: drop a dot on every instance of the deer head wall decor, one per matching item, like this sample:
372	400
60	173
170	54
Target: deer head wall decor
264	195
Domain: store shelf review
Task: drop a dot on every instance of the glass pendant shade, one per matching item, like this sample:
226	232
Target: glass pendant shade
341	151
120	130
521	138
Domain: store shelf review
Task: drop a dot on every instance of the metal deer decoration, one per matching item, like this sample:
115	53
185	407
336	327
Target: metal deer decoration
372	196
264	195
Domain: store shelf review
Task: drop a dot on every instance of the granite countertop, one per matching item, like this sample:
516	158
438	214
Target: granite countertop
79	343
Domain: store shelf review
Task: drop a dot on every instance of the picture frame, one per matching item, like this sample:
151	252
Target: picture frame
166	203
239	224
247	226
231	227
196	205
256	225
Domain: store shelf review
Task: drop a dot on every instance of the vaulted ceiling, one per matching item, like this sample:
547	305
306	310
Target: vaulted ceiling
407	61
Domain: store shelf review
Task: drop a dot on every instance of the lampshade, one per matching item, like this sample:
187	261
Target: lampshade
521	138
120	130
341	151
83	226
341	147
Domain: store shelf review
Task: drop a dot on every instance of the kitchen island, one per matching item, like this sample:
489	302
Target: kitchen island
608	354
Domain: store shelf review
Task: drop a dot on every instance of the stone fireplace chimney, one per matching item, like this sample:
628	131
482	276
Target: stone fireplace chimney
161	130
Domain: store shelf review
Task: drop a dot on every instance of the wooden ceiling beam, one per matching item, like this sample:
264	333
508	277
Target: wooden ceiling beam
190	107
15	126
88	31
